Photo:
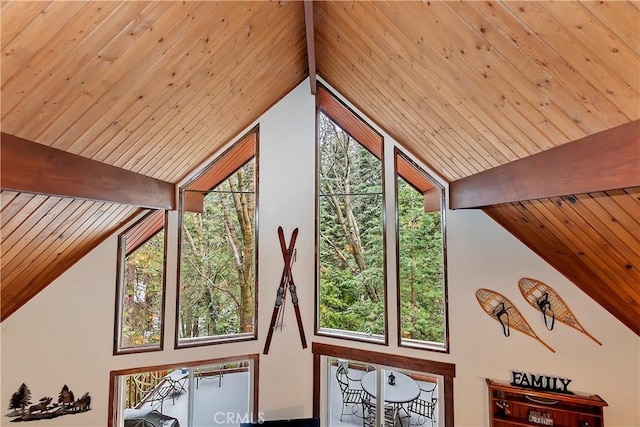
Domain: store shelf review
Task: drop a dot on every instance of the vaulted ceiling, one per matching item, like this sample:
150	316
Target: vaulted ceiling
155	88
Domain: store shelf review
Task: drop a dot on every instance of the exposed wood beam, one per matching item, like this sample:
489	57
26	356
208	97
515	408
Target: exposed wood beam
311	49
29	167
603	161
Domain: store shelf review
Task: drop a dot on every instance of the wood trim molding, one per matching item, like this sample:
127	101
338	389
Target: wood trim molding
218	171
193	201
143	230
349	121
448	400
311	49
29	167
417	178
387	359
411	173
226	164
603	161
432	200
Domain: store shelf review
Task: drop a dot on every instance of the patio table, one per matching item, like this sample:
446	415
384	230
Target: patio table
404	390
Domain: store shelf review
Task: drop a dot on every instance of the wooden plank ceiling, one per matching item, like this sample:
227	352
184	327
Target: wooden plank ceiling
151	87
157	87
468	86
592	238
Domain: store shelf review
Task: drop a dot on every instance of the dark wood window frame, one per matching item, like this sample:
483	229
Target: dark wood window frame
138	234
446	370
213	174
356	127
113	375
433	193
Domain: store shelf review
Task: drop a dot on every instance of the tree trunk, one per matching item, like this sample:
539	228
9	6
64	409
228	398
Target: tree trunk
243	244
347	220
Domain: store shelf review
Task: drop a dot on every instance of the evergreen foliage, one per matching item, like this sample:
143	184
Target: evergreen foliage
217	283
352	274
420	268
350	228
142	302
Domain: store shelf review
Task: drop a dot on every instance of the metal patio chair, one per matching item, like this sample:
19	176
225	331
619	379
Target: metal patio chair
424	405
391	413
350	395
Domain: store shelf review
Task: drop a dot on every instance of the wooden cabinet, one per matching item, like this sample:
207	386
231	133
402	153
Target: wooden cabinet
512	406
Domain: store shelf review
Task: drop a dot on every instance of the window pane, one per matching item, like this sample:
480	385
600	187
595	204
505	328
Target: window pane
214	394
350	237
221	394
420	268
217	284
408	397
141	282
345	392
351	280
411	397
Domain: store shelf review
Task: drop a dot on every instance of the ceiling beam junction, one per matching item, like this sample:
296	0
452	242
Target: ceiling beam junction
26	166
603	161
311	50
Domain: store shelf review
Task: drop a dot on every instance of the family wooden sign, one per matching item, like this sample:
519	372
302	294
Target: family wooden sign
540	382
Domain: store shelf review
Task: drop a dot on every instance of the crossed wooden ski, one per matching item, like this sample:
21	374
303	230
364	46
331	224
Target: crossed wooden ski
286	282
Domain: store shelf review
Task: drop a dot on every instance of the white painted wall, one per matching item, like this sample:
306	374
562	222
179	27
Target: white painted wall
65	334
483	255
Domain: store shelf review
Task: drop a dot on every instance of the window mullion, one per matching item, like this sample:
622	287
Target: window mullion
391	241
379	396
